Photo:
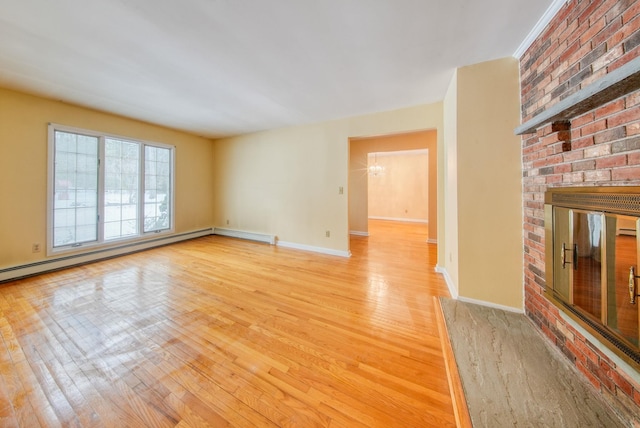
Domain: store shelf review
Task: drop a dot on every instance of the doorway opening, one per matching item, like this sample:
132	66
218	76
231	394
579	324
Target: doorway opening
393	178
398	186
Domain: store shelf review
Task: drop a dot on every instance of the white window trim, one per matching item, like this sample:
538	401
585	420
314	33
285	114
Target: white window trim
101	243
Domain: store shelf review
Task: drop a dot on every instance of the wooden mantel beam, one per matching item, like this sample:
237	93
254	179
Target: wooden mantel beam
613	85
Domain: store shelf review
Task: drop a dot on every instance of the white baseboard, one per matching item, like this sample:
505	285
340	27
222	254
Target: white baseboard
490	305
406	220
272	239
320	250
453	291
35	268
455	295
358	233
251	236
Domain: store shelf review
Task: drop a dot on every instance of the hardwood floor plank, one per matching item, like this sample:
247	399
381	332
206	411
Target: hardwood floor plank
223	332
460	408
189	417
96	380
65	363
25	415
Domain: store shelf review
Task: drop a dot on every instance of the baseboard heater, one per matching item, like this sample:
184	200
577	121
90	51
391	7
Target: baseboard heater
26	270
251	236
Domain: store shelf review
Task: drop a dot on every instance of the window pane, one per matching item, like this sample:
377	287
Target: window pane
135	198
157	185
75	188
122	164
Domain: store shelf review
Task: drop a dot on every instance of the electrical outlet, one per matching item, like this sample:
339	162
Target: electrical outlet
327	234
35	248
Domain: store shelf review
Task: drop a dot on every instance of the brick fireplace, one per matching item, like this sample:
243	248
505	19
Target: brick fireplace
581	46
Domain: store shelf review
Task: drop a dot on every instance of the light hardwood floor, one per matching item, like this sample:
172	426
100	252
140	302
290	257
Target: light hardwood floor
223	332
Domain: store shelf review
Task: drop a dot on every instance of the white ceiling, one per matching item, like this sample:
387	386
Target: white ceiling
224	67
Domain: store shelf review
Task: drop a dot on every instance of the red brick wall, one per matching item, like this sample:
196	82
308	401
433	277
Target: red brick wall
582	43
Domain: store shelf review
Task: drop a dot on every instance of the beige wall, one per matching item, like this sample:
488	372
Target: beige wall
23	169
358	179
359	183
401	190
484	177
449	245
286	181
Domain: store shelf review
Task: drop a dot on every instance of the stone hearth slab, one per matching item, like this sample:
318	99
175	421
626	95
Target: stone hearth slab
511	376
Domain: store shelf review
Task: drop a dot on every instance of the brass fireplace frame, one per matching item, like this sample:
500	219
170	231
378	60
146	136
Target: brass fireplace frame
611	200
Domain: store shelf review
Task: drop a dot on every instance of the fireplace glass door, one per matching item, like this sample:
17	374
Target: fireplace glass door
578	247
594	254
592	262
563	253
622	255
587	262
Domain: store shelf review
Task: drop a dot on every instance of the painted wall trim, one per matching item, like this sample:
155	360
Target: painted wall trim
490	305
406	220
358	233
612	85
31	269
251	236
540	25
447	278
320	250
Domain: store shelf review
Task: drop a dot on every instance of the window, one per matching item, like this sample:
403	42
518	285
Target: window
104	189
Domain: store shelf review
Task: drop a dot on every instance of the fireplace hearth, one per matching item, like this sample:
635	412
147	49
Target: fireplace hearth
592	262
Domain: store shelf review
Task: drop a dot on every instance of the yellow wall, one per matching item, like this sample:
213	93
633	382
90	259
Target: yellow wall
359	183
286	181
484	170
449	245
23	169
401	190
358	179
